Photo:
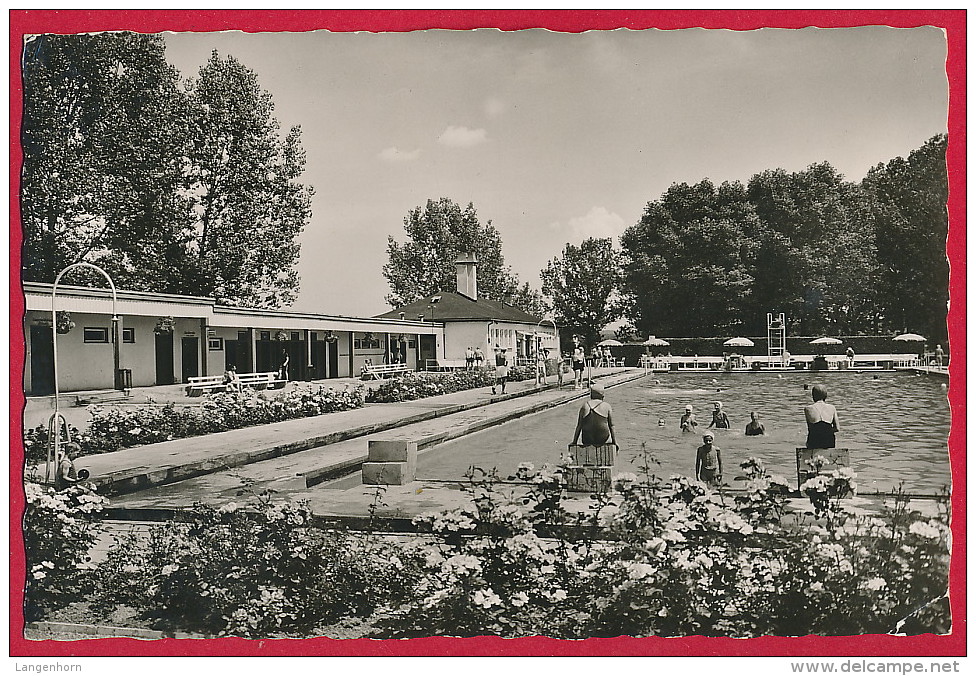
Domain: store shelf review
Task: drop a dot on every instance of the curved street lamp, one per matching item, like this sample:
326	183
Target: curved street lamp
56	418
536	336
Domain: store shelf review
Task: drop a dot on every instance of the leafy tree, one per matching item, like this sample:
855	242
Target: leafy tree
912	223
817	254
581	284
247	203
688	262
437	234
103	138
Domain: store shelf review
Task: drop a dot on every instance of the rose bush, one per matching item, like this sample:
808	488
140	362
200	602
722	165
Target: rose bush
114	428
59	532
421	384
649	557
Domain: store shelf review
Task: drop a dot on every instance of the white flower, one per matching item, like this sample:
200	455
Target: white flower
486	599
170	569
876	583
135	431
925	530
559	595
520	599
816	587
638	571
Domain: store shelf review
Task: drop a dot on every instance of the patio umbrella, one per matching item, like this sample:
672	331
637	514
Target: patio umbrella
738	342
609	341
656	342
910	338
827	341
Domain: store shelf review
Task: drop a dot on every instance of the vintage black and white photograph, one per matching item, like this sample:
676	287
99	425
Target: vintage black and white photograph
399	334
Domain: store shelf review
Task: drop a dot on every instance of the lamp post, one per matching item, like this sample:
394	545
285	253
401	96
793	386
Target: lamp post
56	418
538	345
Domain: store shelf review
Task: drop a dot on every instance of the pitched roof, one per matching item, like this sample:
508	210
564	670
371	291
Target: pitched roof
456	306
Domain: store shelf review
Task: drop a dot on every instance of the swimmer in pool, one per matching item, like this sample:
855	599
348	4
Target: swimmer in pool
688	422
821	418
754	427
595	421
708	461
719	419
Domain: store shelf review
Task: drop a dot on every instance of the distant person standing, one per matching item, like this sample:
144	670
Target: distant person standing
283	369
579	365
850	357
540	365
501	371
469	358
479	357
754	427
822	425
939	356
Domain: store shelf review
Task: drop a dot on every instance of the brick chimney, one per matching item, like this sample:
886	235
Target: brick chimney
467	275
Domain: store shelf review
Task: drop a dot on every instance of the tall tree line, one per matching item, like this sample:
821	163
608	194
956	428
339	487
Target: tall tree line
837	257
172	186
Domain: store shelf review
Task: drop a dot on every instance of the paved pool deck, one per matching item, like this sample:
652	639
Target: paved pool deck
304	452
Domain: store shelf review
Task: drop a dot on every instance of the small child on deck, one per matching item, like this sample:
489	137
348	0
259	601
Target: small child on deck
708	463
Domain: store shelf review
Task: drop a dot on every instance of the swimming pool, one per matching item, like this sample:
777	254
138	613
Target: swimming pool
895	424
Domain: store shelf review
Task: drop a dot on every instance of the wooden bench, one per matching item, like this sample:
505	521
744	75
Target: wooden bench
197	385
259	381
446	364
378	371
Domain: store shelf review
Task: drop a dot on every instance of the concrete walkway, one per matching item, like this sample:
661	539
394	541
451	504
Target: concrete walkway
143	467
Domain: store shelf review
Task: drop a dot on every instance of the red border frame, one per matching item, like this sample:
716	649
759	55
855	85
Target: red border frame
23	22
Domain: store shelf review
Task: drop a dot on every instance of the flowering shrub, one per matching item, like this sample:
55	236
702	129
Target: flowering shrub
651	557
248	570
58	534
115	428
418	385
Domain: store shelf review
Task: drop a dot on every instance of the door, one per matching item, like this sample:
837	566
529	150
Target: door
428	350
164	359
332	350
191	358
243	352
230	354
42	360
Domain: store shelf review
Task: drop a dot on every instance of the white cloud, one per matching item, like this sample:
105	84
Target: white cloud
495	107
462	137
598	223
394	154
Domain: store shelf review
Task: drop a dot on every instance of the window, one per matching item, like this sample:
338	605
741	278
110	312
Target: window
370	343
411	343
96	334
215	344
128	335
295	335
265	335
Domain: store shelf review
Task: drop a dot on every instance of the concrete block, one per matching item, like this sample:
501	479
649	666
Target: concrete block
392	450
389	473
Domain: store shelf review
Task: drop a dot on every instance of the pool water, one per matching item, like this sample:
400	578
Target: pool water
896	426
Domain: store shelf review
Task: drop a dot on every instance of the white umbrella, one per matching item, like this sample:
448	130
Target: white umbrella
739	342
910	338
609	341
827	341
656	342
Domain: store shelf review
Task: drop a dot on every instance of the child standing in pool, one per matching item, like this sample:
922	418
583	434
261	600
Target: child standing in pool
688	422
708	462
719	419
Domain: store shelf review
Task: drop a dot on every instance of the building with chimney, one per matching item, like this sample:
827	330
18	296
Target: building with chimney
471	321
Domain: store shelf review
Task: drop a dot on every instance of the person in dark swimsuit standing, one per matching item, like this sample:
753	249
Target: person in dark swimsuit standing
821	418
595	422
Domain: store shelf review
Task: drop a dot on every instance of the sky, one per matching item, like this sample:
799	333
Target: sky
557	137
